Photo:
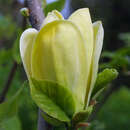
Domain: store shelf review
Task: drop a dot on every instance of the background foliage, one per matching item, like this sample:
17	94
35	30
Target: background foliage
115	15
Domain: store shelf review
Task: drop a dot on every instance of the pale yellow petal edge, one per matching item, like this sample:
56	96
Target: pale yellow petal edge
27	40
98	43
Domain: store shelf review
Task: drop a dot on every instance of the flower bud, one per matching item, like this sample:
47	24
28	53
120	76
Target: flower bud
66	52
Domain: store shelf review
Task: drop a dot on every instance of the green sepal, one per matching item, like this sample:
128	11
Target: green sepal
103	78
82	116
54	99
9	108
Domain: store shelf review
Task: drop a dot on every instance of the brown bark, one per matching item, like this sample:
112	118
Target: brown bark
36	13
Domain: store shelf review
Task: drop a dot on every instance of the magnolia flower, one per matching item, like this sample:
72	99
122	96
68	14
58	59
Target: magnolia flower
65	51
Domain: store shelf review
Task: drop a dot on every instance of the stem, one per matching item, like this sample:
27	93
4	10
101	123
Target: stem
8	83
42	124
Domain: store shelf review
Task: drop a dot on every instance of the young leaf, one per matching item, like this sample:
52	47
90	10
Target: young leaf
104	77
54	99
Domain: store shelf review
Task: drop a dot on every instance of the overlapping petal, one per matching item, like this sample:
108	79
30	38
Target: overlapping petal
81	18
65	51
27	40
52	16
98	42
59	55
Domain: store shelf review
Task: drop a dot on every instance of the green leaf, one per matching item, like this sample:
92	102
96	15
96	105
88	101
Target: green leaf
104	77
82	115
16	53
9	124
9	108
54	99
51	120
57	5
118	59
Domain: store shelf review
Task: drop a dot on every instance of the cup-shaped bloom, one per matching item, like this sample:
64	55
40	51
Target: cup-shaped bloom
65	51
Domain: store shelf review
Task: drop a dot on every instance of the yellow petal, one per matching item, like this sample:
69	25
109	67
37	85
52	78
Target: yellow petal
81	18
59	55
52	16
98	42
27	40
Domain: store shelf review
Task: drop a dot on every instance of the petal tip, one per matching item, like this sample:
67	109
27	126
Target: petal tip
24	35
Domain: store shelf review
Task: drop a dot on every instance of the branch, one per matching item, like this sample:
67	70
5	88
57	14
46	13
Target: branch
36	15
8	83
11	74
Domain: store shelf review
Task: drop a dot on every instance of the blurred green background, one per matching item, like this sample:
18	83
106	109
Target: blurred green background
114	104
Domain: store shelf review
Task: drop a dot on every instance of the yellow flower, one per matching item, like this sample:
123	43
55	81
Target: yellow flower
64	51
